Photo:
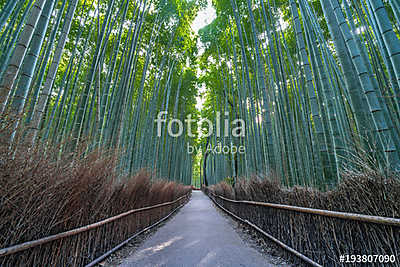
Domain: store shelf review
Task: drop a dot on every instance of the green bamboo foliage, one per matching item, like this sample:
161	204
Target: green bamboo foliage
392	43
19	52
46	91
312	98
99	73
314	83
332	92
6	12
30	62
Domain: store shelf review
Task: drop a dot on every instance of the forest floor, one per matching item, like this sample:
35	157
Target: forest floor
198	235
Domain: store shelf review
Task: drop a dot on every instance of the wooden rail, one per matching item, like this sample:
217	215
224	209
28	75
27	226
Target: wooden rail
111	251
277	241
34	243
326	213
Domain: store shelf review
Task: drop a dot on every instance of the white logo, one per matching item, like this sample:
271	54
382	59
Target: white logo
237	126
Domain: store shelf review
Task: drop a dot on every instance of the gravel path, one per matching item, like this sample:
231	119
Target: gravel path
197	236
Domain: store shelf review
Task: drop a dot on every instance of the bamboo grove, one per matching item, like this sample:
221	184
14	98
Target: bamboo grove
316	82
98	72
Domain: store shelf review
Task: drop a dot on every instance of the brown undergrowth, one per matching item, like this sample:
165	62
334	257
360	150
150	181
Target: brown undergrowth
41	196
324	239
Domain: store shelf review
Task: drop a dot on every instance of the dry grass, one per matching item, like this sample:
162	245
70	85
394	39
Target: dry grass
40	196
320	238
